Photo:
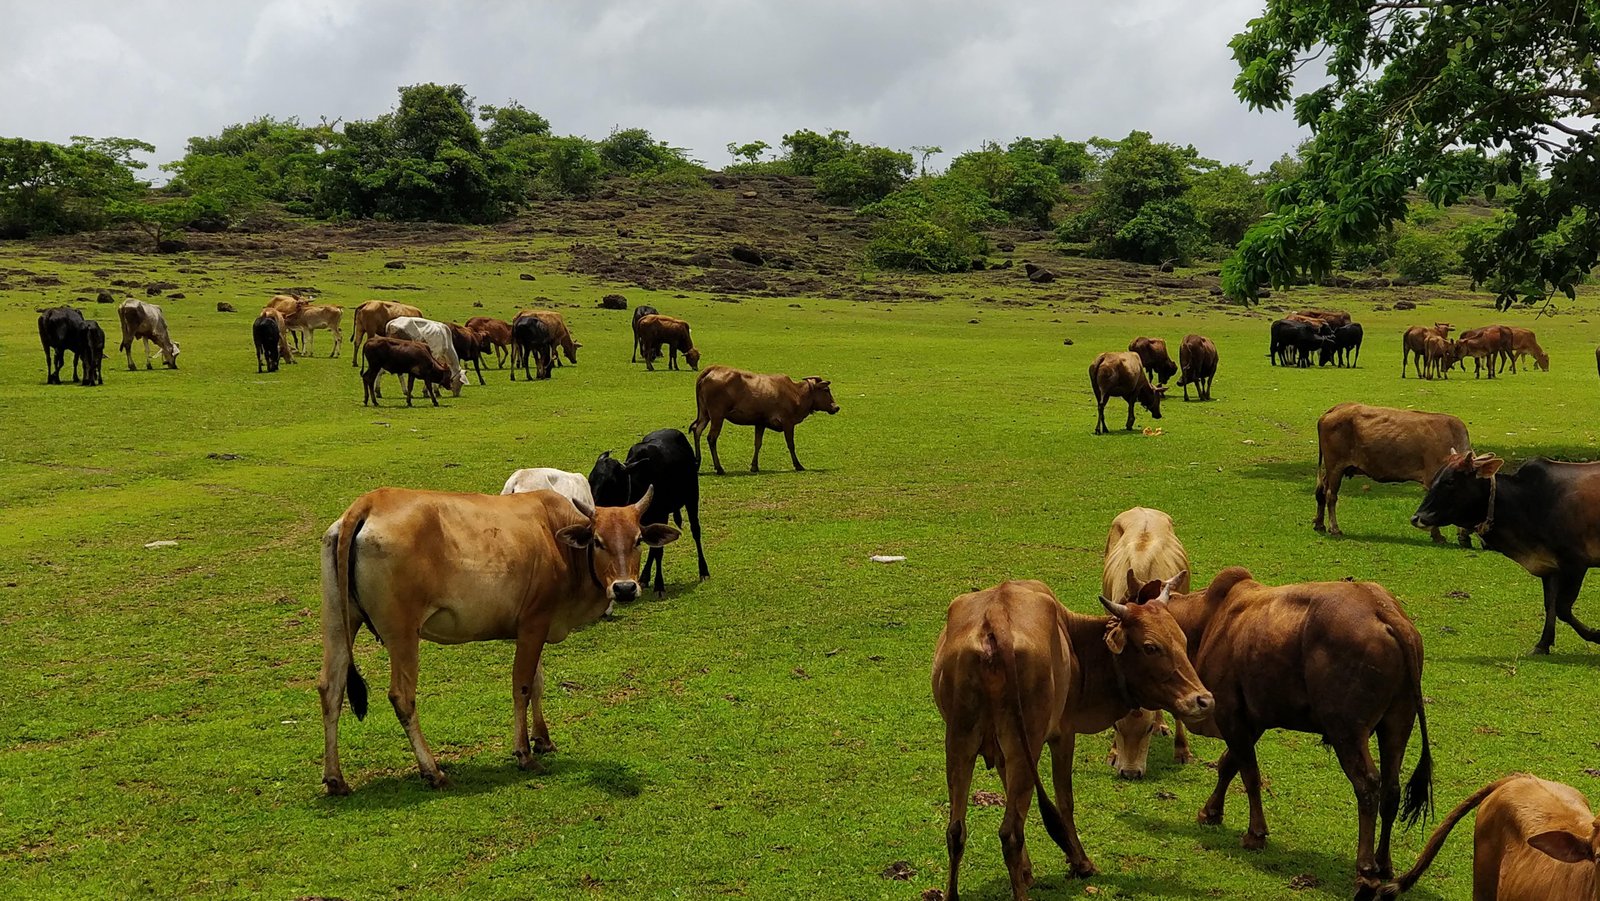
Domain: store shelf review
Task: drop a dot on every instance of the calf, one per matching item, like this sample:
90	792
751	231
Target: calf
267	335
469	345
1014	671
775	402
290	306
1385	445
560	335
639	313
1346	346
1534	841
439	339
1486	346
1158	367
651	332
662	461
1122	375
321	316
1524	344
411	360
1197	359
609	481
1545	516
61	329
370	319
1142	542
145	322
1293	343
531	339
1440	355
1414	341
94	354
496	332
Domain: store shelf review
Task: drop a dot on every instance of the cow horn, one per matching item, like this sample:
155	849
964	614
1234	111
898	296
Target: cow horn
1168	585
585	508
1120	611
644	502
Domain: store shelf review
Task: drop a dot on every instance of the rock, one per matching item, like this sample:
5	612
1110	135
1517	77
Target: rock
613	302
1067	342
394	264
972	322
155	288
1405	305
749	195
172	245
1215	292
1336	281
624	233
1039	274
176	295
525	277
224	307
1005	246
747	255
978	264
104	297
1167	266
478	304
161	544
1008	264
320	255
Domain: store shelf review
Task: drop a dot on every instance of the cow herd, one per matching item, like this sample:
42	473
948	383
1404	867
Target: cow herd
64	330
1433	353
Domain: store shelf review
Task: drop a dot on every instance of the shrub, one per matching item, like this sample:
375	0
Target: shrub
911	242
1423	256
863	175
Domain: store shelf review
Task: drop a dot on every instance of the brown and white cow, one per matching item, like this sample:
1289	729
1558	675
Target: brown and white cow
1122	375
1143	542
560	335
651	332
1158	366
453	568
1414	342
1385	445
1534	840
370	319
145	322
1525	344
777	402
1014	671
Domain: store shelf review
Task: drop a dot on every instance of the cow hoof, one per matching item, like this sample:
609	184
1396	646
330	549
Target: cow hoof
1438	539
1182	755
1208	818
543	745
529	763
336	786
1336	532
1540	649
437	780
1252	842
1084	870
1318	527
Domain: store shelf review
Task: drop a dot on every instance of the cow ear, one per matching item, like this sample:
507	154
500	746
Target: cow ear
1563	846
1149	591
1489	467
1134	585
578	536
1116	639
659	534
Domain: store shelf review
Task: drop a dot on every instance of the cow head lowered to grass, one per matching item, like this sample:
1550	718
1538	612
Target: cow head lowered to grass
1460	493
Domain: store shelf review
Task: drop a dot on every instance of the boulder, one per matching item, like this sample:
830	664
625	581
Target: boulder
613	302
1039	274
525	277
747	255
224	307
394	264
1405	305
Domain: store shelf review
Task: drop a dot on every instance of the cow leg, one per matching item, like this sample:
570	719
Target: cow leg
1394	733
755	461
1227	768
147	364
1129	426
127	348
403	662
1464	538
1061	751
477	366
711	439
693	505
1255	837
1571	584
1100	427
1547	638
337	665
1332	495
1018	779
527	687
788	436
1356	760
960	755
655	556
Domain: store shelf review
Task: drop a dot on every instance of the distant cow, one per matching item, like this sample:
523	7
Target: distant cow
267	334
1158	367
144	321
1334	318
1385	445
439	339
275	315
530	340
1014	671
1487	347
1122	375
1414	342
1293	343
321	316
1346	346
1534	841
290	306
560	335
651	332
775	402
1440	355
639	313
1524	344
496	332
369	320
410	360
1545	516
63	330
569	485
470	345
94	354
1197	360
1142	542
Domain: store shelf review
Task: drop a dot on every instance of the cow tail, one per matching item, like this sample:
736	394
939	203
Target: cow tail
1436	841
1418	801
996	650
344	564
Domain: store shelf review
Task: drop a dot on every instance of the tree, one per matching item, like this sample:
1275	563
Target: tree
506	123
158	219
1069	160
573	166
52	189
1227	200
750	153
1417	93
1140	212
862	174
1014	180
931	224
923	151
807	150
632	151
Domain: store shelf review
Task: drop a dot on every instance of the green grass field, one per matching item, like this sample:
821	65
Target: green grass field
768	733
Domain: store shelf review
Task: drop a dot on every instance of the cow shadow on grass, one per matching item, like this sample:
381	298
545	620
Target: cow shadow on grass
1504	662
745	472
1052	881
480	776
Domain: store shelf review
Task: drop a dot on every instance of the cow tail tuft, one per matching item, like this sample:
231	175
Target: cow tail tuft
1418	801
345	569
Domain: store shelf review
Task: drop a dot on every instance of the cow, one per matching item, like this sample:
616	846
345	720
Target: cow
1524	344
775	402
62	329
1293	343
1597	358
609	482
1158	367
570	485
1534	840
1414	340
1486	346
291	306
1014	670
663	461
1385	445
470	345
274	315
454	568
651	332
1542	516
410	360
1143	542
322	316
93	356
1346	346
369	320
1122	375
439	339
1334	318
267	333
530	338
144	321
560	335
1339	660
494	331
639	313
1197	360
1440	355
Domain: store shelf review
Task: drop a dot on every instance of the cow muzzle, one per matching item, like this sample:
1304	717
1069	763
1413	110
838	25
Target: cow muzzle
1197	707
623	591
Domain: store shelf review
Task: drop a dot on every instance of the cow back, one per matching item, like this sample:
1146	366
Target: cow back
1144	541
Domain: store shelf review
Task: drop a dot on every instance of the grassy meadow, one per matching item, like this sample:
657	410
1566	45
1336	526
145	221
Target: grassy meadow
768	733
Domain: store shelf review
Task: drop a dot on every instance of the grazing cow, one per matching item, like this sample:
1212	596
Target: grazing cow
410	360
560	335
1014	671
1534	841
1346	346
439	339
1385	445
1543	516
370	319
1197	359
1597	358
1158	367
496	332
775	402
1440	355
267	333
1142	542
144	322
290	305
454	568
1414	342
93	356
285	351
1334	318
1486	346
470	345
321	316
1293	343
663	461
61	329
651	332
1339	660
1122	375
639	313
569	485
530	338
1524	344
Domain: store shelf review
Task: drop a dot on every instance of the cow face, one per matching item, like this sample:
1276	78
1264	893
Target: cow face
169	357
1152	653
822	395
609	482
693	357
615	539
1152	401
1458	495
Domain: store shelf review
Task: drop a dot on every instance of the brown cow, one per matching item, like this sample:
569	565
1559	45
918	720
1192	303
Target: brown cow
470	344
1142	541
1415	339
536	567
1339	660
411	360
1153	357
651	332
1486	346
1524	344
322	316
290	306
1440	355
1197	359
1122	375
145	322
285	349
775	402
496	332
1014	670
1534	841
560	335
371	318
1334	318
1385	445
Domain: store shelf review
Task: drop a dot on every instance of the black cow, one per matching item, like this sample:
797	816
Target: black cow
94	346
665	461
63	329
265	332
608	482
638	314
1545	516
531	338
1346	346
1301	338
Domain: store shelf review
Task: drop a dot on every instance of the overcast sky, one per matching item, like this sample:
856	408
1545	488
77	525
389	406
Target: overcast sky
696	74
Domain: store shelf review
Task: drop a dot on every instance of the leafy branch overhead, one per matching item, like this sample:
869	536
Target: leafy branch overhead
1437	97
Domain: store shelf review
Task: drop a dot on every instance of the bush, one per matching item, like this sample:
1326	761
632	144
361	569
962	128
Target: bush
1423	257
1162	230
931	224
910	242
863	175
572	166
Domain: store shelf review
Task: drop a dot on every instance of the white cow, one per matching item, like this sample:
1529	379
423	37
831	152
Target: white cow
437	336
143	321
567	484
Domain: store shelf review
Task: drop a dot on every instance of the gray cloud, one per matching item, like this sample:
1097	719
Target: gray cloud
697	74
